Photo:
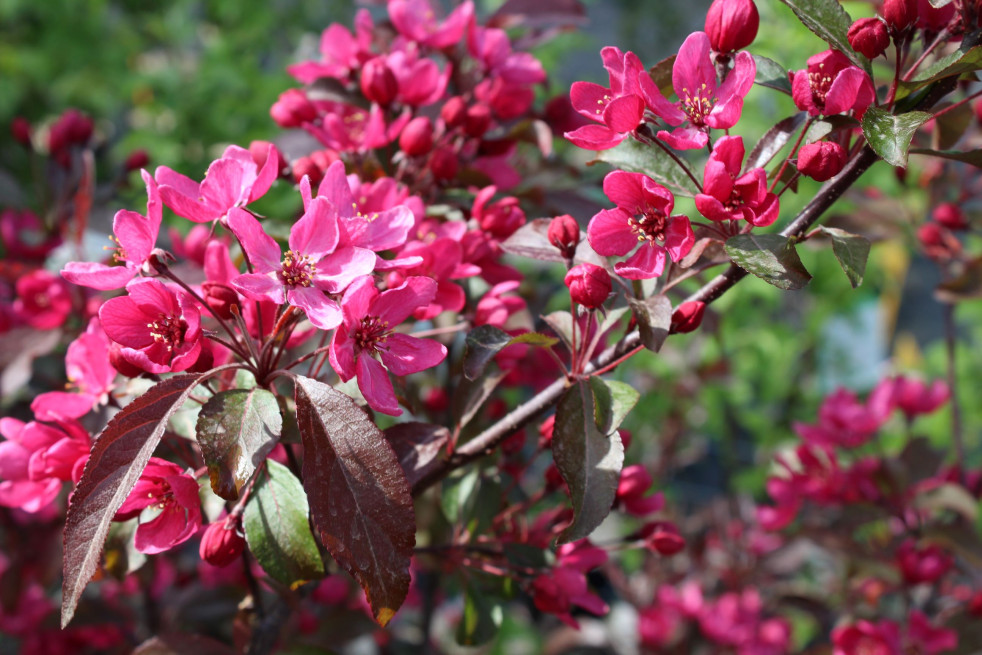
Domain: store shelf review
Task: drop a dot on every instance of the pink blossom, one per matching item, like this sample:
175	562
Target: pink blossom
347	128
90	378
312	266
558	591
234	180
727	195
632	489
158	329
845	421
914	397
341	51
867	638
928	639
419	80
643	214
440	261
495	308
922	564
832	85
492	48
35	458
702	102
24	236
370	319
416	20
619	108
500	219
43	300
164	486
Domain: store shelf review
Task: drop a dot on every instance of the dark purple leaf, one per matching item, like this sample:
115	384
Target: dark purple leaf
176	643
359	497
773	140
418	446
654	317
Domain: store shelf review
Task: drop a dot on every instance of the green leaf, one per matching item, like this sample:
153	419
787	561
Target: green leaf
471	499
959	62
829	22
949	496
654	317
486	341
890	135
661	75
481	618
772	75
634	156
236	430
973	157
614	400
771	257
589	461
277	527
360	499
773	140
852	251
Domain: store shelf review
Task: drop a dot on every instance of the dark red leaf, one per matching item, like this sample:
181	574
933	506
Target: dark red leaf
359	497
418	446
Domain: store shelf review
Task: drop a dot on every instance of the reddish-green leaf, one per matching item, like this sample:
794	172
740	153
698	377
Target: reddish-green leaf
359	497
851	250
771	257
118	457
772	75
589	460
830	22
654	317
236	430
773	140
890	135
486	341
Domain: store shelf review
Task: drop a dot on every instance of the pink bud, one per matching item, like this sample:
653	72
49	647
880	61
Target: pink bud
900	14
20	128
938	242
564	233
869	36
220	298
454	112
950	215
589	285
138	159
478	120
262	150
378	82
292	109
688	317
314	166
417	138
732	24
821	161
221	544
444	164
663	537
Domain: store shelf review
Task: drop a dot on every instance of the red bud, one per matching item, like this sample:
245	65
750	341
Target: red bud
138	159
564	233
869	36
417	137
378	82
589	285
950	215
732	24
821	161
221	544
454	112
900	14
688	317
292	109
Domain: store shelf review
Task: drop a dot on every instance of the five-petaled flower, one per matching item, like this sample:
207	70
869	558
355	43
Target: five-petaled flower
165	486
370	319
727	195
619	108
831	85
702	102
643	215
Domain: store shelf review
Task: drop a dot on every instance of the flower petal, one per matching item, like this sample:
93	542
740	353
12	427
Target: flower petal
316	233
646	263
321	310
610	234
97	276
262	250
395	305
405	354
259	286
376	387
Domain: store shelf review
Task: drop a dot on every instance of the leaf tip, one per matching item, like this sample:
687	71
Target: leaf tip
384	615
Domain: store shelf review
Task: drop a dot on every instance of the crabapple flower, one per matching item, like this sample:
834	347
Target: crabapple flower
643	214
864	637
832	85
914	397
922	564
566	585
36	457
845	421
727	195
702	102
158	329
869	36
923	637
222	542
370	319
134	236
234	180
416	20
341	51
312	265
165	486
90	377
619	108
43	300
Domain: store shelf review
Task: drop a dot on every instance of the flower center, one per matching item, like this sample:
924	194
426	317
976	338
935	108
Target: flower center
820	84
168	330
368	217
298	270
650	226
603	104
698	105
372	332
119	255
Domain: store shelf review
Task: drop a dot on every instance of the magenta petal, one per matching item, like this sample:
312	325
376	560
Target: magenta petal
729	150
61	405
685	138
395	305
693	69
342	354
316	233
137	235
610	234
260	286
339	269
384	230
376	387
667	111
335	188
717	181
179	183
845	91
193	208
226	183
767	212
358	297
323	312
97	276
164	532
712	208
262	250
625	190
594	137
726	114
589	99
679	237
404	354
266	176
124	323
801	93
27	495
409	262
152	297
646	263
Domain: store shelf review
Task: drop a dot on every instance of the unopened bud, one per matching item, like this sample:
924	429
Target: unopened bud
732	24
378	82
444	164
950	215
221	544
564	233
869	36
417	138
589	285
688	317
900	14
663	537
938	242
454	112
293	109
137	159
821	161
263	150
220	298
477	120
122	365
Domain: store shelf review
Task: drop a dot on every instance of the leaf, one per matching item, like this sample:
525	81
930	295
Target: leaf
486	341
959	62
820	129
532	240
965	285
654	317
470	395
118	457
890	135
277	527
661	75
973	157
472	499
773	140
771	257
359	497
236	431
949	496
481	618
772	75
176	643
852	251
829	22
589	461
613	401
418	446
562	324
634	156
